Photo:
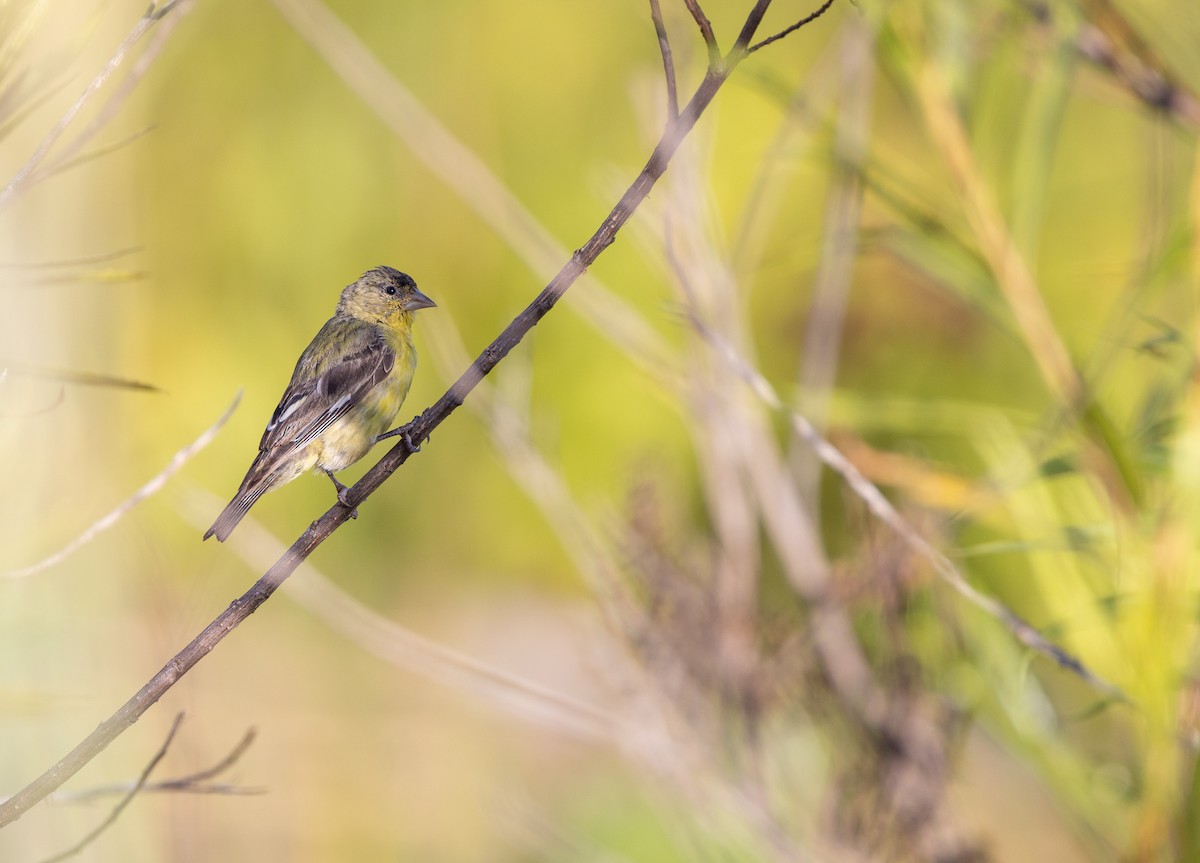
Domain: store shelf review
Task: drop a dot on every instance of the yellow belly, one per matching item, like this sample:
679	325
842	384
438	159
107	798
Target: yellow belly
351	437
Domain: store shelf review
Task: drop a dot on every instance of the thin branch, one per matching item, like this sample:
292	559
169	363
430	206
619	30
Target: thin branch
706	31
194	783
664	47
808	19
151	17
417	431
86	379
125	801
65	164
158	481
69	157
739	50
234	756
103	258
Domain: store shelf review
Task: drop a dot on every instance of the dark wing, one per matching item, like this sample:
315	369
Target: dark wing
324	388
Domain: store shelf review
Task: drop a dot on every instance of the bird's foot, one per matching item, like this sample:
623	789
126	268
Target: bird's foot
342	493
404	432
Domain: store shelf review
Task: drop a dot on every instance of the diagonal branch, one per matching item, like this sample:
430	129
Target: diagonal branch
664	47
417	431
807	19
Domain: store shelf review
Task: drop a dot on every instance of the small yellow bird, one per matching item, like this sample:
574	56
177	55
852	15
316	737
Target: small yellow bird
346	390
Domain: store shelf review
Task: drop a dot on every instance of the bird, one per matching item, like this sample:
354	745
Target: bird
346	390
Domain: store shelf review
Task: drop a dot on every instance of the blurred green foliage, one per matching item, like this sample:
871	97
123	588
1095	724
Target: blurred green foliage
263	184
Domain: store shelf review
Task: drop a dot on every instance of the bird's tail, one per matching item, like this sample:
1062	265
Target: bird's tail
235	512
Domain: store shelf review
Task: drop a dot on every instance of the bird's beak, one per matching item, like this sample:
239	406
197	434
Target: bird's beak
418	301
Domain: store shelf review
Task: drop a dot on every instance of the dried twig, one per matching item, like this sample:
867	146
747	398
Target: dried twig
158	481
664	48
66	163
194	783
125	801
86	379
24	174
87	260
807	19
706	32
417	431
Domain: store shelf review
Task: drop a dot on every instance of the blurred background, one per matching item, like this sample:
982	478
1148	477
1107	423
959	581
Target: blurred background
617	608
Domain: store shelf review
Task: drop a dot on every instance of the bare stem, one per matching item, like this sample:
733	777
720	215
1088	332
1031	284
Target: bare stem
664	47
808	19
706	31
199	782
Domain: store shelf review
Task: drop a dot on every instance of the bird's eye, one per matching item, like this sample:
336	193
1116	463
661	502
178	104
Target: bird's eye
391	289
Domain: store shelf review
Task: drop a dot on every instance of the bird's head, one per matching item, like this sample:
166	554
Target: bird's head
383	295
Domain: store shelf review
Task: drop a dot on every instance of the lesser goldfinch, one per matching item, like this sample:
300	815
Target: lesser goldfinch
346	390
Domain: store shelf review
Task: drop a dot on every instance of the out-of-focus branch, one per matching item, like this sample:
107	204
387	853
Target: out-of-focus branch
1110	41
199	782
414	433
125	801
882	509
156	482
86	379
25	173
787	519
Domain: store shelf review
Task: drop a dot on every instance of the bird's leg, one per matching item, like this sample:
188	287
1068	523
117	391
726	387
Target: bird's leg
341	491
405	435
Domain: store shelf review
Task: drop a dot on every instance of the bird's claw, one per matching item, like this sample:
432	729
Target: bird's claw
344	501
343	495
405	434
